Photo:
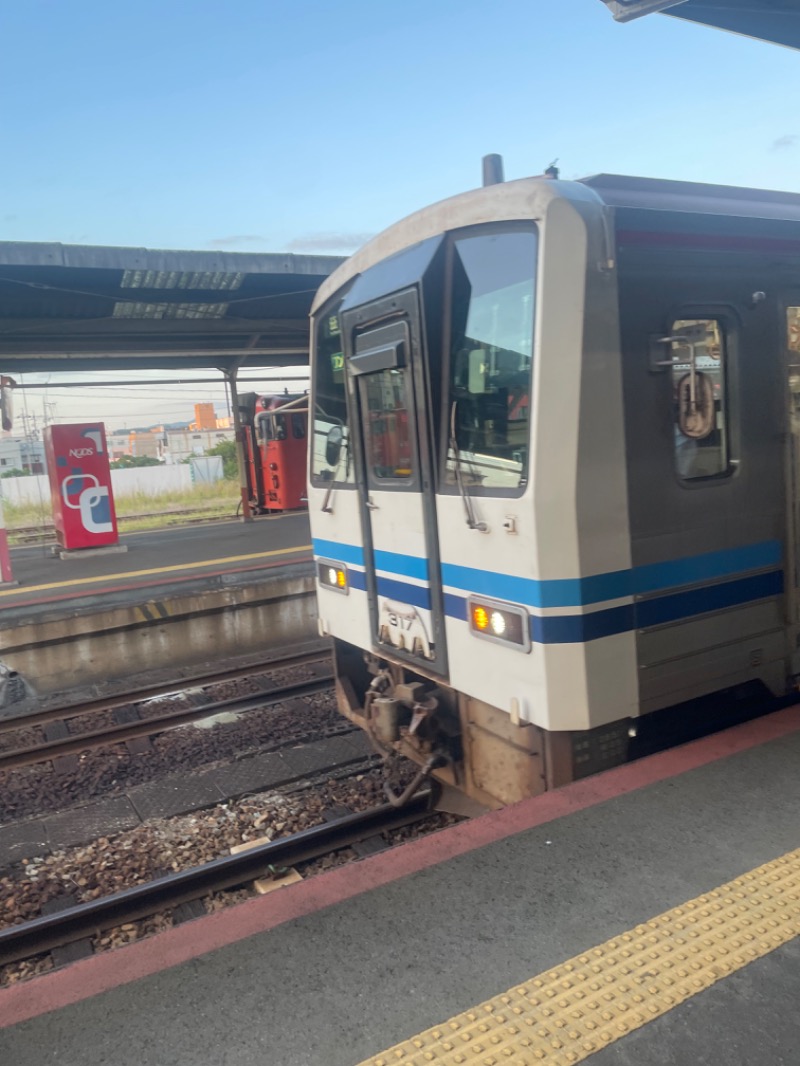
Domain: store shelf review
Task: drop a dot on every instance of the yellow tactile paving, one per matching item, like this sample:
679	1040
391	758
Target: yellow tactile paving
565	1015
156	570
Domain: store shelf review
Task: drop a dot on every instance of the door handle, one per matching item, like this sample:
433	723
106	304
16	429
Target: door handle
372	506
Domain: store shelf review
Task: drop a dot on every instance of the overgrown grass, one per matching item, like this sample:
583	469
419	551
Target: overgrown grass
140	510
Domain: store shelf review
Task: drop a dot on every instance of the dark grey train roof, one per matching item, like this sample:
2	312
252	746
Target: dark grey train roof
657	194
76	307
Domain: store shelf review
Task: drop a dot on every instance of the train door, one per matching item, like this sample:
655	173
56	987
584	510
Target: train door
792	334
394	456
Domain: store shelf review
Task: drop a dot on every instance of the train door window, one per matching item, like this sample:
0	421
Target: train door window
389	448
330	452
298	426
793	331
266	430
491	360
699	396
793	372
793	345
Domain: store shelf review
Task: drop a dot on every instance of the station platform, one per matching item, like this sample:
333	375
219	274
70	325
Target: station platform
186	558
647	915
178	598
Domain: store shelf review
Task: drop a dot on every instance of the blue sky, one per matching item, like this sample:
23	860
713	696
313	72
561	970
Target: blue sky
308	126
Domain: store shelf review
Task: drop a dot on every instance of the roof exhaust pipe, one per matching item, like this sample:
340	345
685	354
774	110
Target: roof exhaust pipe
493	170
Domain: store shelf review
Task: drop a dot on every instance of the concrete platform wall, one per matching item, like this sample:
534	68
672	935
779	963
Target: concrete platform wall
72	652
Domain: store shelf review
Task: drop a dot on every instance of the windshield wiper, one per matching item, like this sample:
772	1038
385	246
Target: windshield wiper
469	510
345	447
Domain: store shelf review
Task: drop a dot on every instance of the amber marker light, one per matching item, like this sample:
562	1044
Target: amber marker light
503	623
332	575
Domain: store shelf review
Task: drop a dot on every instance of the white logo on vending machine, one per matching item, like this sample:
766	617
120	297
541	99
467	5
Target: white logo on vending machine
92	503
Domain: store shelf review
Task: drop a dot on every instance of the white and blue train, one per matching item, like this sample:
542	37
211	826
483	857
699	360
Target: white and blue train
554	474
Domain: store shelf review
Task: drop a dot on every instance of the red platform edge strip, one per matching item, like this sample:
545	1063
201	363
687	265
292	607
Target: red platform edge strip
109	970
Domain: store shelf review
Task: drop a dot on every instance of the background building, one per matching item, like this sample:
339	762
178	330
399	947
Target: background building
205	417
178	444
19	453
145	442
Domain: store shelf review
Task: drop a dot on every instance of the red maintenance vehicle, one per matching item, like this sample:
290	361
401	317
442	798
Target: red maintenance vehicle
276	439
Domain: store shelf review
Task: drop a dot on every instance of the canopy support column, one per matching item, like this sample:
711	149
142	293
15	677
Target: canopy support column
239	430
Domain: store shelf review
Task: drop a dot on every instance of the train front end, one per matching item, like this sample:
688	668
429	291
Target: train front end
467	489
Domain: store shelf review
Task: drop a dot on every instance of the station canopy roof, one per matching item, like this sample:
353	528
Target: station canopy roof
768	20
76	308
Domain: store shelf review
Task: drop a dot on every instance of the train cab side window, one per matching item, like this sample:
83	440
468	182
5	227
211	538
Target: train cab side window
699	397
265	429
330	451
491	361
298	426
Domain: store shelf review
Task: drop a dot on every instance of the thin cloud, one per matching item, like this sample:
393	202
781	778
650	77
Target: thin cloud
788	140
237	241
328	242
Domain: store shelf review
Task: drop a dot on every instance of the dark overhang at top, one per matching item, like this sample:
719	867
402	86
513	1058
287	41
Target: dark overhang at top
75	307
767	20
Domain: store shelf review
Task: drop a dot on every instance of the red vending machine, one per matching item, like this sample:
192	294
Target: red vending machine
80	485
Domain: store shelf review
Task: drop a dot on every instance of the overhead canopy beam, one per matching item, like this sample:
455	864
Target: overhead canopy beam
141	382
627	10
65	307
66	361
777	21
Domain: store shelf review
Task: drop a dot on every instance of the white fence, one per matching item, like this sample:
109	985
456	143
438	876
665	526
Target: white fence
148	480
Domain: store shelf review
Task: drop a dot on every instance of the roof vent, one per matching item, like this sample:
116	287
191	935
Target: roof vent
493	170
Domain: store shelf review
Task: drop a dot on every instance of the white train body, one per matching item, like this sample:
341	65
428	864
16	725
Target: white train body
535	518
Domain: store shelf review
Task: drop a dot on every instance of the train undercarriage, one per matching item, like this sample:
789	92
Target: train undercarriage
464	743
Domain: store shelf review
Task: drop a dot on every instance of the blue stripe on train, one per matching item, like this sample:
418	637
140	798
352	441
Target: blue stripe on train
338	553
357	579
572	592
404	593
580	628
581	592
404	565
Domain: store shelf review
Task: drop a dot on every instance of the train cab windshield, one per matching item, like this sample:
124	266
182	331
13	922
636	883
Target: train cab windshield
491	359
482	378
330	456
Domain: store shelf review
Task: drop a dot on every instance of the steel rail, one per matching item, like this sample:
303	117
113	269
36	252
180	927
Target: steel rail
147	692
96	916
52	749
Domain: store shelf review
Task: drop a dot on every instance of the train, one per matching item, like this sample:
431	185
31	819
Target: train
275	431
555	471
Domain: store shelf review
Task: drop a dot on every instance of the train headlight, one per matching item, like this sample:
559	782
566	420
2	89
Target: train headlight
333	575
504	623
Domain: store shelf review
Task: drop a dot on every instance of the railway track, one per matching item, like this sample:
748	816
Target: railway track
51	931
71	743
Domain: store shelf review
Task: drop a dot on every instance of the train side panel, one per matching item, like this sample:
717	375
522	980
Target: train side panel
708	541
